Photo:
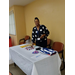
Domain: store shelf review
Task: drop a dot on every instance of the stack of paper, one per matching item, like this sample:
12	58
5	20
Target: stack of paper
26	45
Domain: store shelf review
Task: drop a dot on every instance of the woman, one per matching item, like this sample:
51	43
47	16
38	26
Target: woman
39	34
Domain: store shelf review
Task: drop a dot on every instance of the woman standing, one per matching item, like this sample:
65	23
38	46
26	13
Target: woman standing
39	34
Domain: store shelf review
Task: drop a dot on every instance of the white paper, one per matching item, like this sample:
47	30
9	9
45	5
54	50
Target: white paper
39	56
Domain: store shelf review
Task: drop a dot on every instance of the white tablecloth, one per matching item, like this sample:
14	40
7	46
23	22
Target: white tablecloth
35	64
10	60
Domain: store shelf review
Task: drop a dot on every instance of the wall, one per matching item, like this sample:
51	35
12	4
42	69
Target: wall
51	13
19	24
13	37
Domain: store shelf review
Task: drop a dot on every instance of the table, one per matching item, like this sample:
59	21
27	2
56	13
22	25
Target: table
35	64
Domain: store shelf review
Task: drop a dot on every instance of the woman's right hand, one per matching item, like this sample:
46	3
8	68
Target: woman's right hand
33	44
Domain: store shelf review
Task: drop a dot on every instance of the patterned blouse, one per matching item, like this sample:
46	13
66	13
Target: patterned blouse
36	34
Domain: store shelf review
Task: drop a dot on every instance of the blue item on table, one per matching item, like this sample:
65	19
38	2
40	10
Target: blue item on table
35	52
29	48
48	51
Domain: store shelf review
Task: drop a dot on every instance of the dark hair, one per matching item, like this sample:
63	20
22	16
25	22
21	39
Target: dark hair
36	18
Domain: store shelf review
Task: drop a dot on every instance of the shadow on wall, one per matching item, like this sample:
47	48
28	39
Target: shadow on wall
14	39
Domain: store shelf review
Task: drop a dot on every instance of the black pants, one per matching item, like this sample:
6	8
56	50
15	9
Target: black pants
42	43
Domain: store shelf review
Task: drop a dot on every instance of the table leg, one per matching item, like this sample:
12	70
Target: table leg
14	64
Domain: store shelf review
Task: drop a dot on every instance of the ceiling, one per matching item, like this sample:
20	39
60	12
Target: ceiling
19	2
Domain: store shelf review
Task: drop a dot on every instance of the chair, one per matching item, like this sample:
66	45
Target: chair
48	43
10	73
23	40
58	46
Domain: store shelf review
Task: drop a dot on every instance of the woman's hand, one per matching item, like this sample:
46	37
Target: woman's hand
42	36
33	44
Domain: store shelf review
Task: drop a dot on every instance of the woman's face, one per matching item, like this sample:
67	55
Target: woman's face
36	22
